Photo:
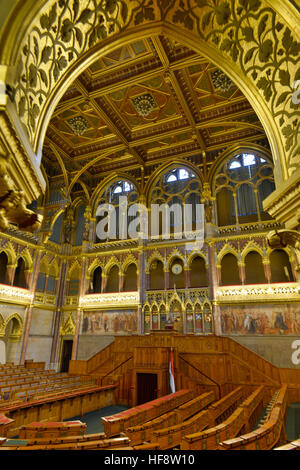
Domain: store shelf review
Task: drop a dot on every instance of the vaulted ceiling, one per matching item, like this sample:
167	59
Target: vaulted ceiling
147	102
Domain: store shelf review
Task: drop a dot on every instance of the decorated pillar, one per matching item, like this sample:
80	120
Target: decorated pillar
267	269
166	278
58	313
121	281
242	272
28	313
187	277
78	316
141	284
103	283
213	286
10	273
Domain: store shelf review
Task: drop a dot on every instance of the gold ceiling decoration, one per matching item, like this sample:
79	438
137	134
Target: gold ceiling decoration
147	103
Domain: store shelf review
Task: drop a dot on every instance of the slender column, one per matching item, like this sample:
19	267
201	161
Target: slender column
141	283
242	272
121	281
78	316
267	269
213	286
236	209
10	274
103	283
29	308
58	312
187	277
166	279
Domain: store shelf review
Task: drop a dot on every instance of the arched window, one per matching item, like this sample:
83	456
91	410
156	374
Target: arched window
41	281
175	200
50	286
130	278
241	185
254	269
114	222
74	281
229	270
20	279
3	268
198	273
113	280
157	279
281	270
97	281
56	231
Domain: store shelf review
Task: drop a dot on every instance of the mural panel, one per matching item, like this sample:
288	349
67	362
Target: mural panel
271	319
110	321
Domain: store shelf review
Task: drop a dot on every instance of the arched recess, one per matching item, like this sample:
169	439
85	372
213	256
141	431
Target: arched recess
130	278
147	318
3	268
281	270
230	270
246	59
20	277
73	279
43	273
254	268
12	337
96	282
198	272
113	279
52	277
156	274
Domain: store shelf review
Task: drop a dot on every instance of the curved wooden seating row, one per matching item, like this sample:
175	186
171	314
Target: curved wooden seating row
114	443
52	429
141	433
115	424
57	407
294	445
172	436
265	436
210	439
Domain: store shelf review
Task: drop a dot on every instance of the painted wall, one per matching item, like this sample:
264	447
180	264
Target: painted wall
112	322
263	319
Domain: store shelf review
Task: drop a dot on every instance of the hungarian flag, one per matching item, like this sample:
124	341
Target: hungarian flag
171	373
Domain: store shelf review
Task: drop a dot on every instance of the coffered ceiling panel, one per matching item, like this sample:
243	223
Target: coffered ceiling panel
145	103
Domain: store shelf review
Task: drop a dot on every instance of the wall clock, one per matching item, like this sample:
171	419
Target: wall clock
176	268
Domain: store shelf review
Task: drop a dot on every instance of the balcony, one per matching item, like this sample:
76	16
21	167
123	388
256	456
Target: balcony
287	291
111	299
16	295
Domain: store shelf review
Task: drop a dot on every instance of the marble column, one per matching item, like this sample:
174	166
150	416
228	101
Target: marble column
213	286
28	314
78	316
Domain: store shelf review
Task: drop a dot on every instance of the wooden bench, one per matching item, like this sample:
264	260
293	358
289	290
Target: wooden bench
144	432
294	445
52	429
115	424
265	436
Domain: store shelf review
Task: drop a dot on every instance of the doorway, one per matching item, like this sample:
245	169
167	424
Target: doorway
66	355
146	388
